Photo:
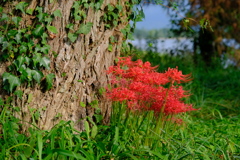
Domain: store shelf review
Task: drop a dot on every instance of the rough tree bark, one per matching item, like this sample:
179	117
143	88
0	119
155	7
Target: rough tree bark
87	60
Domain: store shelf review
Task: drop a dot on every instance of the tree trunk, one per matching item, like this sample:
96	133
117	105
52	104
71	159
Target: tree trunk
206	46
79	67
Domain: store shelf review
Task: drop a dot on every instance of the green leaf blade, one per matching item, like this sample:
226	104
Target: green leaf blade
52	29
11	81
21	6
72	37
49	81
38	31
57	13
45	62
37	75
85	29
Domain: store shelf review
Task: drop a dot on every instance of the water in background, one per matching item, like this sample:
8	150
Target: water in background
179	46
165	45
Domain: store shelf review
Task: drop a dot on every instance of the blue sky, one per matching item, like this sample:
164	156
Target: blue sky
156	17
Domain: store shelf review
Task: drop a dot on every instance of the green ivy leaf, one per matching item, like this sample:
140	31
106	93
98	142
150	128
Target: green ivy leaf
86	5
52	29
12	33
98	5
24	74
18	93
29	11
1	102
1	39
36	59
49	81
45	49
98	117
29	74
30	45
92	4
37	114
29	100
15	50
70	26
47	18
21	6
18	37
85	28
57	13
16	20
76	15
10	81
82	104
38	31
23	48
76	5
41	16
107	25
5	45
4	17
19	62
83	14
115	16
37	75
27	36
27	60
39	9
119	7
140	15
44	38
110	8
37	48
72	37
45	62
115	23
110	48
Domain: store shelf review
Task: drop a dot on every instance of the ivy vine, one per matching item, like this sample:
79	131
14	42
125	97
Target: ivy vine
26	47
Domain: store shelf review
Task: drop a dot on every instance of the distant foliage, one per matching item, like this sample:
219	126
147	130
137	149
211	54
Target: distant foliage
153	34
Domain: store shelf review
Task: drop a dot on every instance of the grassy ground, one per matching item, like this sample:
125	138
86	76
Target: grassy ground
213	132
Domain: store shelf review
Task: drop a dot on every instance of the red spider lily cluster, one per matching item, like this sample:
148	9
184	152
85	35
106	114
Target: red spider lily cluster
142	88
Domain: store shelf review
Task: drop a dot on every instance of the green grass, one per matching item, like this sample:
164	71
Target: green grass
213	132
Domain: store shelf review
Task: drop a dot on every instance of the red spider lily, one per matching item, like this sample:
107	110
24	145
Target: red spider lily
142	88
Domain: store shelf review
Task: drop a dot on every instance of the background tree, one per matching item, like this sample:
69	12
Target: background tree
140	34
56	53
223	16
